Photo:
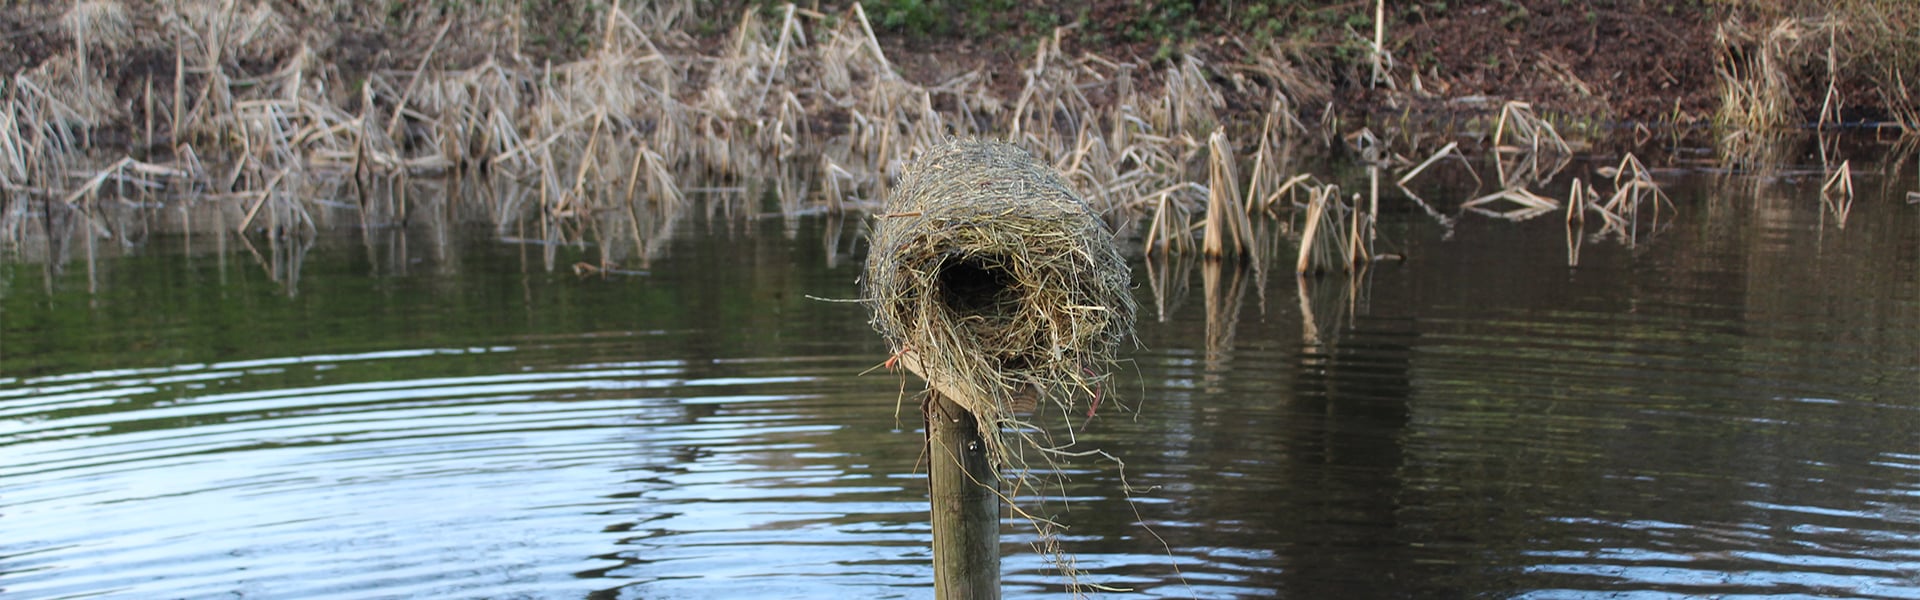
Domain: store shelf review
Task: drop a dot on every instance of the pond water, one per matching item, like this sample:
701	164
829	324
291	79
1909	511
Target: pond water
1725	408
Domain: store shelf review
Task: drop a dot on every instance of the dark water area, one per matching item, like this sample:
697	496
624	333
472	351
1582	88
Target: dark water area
1725	408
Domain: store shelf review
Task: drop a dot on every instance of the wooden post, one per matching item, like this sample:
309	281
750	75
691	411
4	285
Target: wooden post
966	504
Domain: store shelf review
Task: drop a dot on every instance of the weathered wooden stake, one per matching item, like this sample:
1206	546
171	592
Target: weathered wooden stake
966	505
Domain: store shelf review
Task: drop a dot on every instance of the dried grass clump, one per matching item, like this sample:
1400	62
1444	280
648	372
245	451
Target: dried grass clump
1756	73
1778	60
225	30
990	278
63	90
1878	43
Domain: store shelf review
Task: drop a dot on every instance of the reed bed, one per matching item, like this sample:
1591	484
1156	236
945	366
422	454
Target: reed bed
1785	65
799	104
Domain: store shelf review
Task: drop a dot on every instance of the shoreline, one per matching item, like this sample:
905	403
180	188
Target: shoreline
819	106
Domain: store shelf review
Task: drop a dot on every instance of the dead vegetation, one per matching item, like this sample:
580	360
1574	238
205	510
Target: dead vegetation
1786	64
803	106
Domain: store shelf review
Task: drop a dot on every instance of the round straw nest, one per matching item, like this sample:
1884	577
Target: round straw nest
996	283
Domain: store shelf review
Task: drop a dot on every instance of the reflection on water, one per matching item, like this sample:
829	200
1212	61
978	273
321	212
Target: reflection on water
1723	408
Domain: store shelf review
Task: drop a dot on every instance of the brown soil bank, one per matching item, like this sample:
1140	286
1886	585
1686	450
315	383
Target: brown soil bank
1660	61
1752	63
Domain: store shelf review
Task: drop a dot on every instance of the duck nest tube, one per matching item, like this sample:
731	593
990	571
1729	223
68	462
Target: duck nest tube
997	284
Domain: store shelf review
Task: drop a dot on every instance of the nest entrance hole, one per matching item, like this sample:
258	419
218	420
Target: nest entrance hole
979	287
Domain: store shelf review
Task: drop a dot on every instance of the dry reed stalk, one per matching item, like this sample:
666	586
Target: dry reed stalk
1273	154
103	22
1828	145
834	174
1537	137
1535	133
1189	100
1318	213
1294	76
1092	167
1451	149
1371	148
175	124
1168	233
663	17
1378	57
124	170
62	90
1228	233
1633	185
216	32
413	82
577	192
787	27
1052	91
873	42
1289	191
1836	195
44	135
1529	204
1155	166
663	187
1580	198
15	149
263	197
1756	91
750	60
1830	104
1357	251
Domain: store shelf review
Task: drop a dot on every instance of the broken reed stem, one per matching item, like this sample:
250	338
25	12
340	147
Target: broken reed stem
586	161
413	84
1579	197
1379	56
1841	181
1316	209
1449	149
1168	233
1229	234
873	42
1837	194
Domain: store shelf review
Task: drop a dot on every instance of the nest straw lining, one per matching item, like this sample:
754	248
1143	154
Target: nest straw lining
998	284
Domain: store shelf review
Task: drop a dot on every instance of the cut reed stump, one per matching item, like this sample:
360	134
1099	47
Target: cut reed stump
995	283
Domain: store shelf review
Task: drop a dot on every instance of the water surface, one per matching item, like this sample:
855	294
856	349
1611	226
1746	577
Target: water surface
1724	408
